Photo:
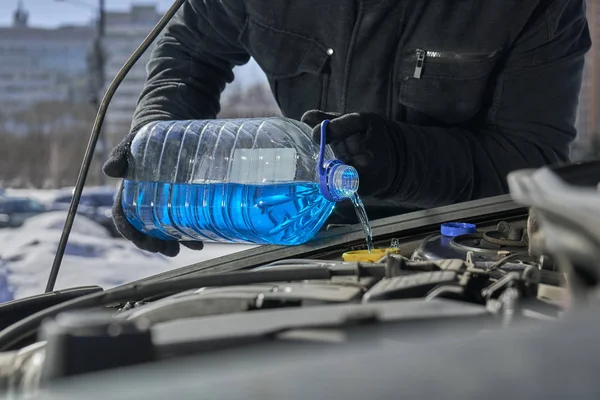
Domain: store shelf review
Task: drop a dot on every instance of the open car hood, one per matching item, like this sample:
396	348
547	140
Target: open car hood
371	328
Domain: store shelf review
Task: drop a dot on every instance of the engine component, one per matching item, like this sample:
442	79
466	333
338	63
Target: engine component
568	219
506	235
20	370
456	240
226	300
416	285
82	342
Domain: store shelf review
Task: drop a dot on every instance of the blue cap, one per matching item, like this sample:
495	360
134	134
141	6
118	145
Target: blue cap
454	229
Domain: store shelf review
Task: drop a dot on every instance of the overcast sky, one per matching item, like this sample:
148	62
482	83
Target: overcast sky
50	13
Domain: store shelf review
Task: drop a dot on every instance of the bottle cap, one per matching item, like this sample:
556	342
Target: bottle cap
365	256
453	229
337	180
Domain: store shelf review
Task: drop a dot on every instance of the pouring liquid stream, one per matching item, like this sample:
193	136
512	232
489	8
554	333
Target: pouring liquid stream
359	207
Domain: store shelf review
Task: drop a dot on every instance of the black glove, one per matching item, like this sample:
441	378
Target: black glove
116	167
366	141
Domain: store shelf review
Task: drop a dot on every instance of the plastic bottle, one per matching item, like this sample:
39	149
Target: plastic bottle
258	180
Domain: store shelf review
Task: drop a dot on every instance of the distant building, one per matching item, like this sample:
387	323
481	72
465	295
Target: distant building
38	65
125	31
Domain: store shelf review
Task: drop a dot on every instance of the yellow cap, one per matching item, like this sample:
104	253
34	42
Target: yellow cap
365	256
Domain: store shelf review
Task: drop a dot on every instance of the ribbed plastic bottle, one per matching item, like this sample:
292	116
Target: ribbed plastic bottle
257	180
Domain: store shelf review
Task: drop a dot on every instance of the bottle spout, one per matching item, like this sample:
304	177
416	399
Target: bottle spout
338	181
343	181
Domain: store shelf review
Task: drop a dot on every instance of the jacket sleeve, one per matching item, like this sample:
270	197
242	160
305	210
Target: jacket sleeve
531	122
190	65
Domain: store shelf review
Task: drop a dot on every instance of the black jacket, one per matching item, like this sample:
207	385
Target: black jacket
480	87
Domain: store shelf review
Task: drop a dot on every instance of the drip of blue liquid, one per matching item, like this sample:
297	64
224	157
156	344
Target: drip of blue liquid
282	214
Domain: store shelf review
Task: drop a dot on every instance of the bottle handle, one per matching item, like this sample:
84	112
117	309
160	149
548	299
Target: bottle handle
322	168
326	167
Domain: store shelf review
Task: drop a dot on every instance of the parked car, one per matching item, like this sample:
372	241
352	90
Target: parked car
96	204
15	210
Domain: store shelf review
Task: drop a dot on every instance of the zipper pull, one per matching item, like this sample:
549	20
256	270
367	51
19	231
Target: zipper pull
420	63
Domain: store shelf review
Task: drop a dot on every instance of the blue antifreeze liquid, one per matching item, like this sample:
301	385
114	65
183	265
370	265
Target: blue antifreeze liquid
283	213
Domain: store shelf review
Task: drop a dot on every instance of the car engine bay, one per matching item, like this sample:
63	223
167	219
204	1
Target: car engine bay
489	279
513	267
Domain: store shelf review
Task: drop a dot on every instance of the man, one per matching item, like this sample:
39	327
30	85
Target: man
433	101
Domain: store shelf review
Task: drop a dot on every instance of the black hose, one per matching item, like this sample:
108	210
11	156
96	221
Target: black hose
511	257
91	147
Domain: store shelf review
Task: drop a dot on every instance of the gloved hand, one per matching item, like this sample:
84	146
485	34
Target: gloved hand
366	141
116	167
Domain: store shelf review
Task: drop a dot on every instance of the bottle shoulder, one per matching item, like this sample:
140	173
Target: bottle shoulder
270	149
276	129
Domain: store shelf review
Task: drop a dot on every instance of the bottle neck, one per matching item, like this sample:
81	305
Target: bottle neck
339	181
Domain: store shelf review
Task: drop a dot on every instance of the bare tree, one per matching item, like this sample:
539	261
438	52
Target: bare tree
48	152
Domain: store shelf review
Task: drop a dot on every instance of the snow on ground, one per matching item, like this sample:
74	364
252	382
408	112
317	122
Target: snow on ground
92	257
